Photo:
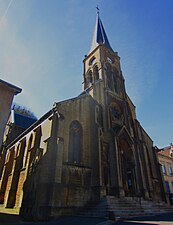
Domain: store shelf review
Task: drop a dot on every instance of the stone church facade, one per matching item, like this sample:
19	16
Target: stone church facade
84	148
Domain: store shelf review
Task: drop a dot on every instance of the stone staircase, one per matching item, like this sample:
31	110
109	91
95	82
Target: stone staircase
114	208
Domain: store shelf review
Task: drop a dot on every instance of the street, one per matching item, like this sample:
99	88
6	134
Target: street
162	219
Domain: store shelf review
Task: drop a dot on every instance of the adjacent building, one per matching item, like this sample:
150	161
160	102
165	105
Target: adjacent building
7	93
18	122
165	156
84	149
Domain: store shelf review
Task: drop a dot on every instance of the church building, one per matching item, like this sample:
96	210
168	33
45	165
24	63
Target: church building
84	149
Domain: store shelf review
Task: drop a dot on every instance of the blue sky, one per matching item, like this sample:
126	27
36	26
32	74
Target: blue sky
43	43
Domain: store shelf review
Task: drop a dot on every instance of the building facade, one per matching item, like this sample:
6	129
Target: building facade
165	156
84	148
7	93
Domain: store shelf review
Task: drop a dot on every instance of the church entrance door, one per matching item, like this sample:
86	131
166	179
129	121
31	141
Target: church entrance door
128	169
130	184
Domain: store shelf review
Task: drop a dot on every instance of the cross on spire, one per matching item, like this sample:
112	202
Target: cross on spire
99	36
97	8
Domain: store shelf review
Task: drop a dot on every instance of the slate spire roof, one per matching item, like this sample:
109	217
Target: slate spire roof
99	36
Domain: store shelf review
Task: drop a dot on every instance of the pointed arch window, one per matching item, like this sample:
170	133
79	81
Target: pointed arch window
115	84
112	78
28	149
92	61
86	81
90	77
109	77
96	73
115	79
75	142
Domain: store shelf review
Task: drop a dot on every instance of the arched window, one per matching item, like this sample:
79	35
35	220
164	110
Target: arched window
109	77
90	76
96	73
115	79
92	61
75	142
28	149
115	84
86	81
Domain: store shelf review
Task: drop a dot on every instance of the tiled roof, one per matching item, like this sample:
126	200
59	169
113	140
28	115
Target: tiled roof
165	152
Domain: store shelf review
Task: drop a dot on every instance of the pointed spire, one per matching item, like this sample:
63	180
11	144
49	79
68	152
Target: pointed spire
99	36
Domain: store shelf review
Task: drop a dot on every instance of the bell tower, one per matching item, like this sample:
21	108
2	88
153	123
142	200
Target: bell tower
102	64
103	80
102	72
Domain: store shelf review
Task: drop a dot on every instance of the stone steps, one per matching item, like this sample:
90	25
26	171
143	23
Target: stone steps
110	206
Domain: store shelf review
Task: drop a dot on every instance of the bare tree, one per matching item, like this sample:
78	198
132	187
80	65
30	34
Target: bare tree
23	110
